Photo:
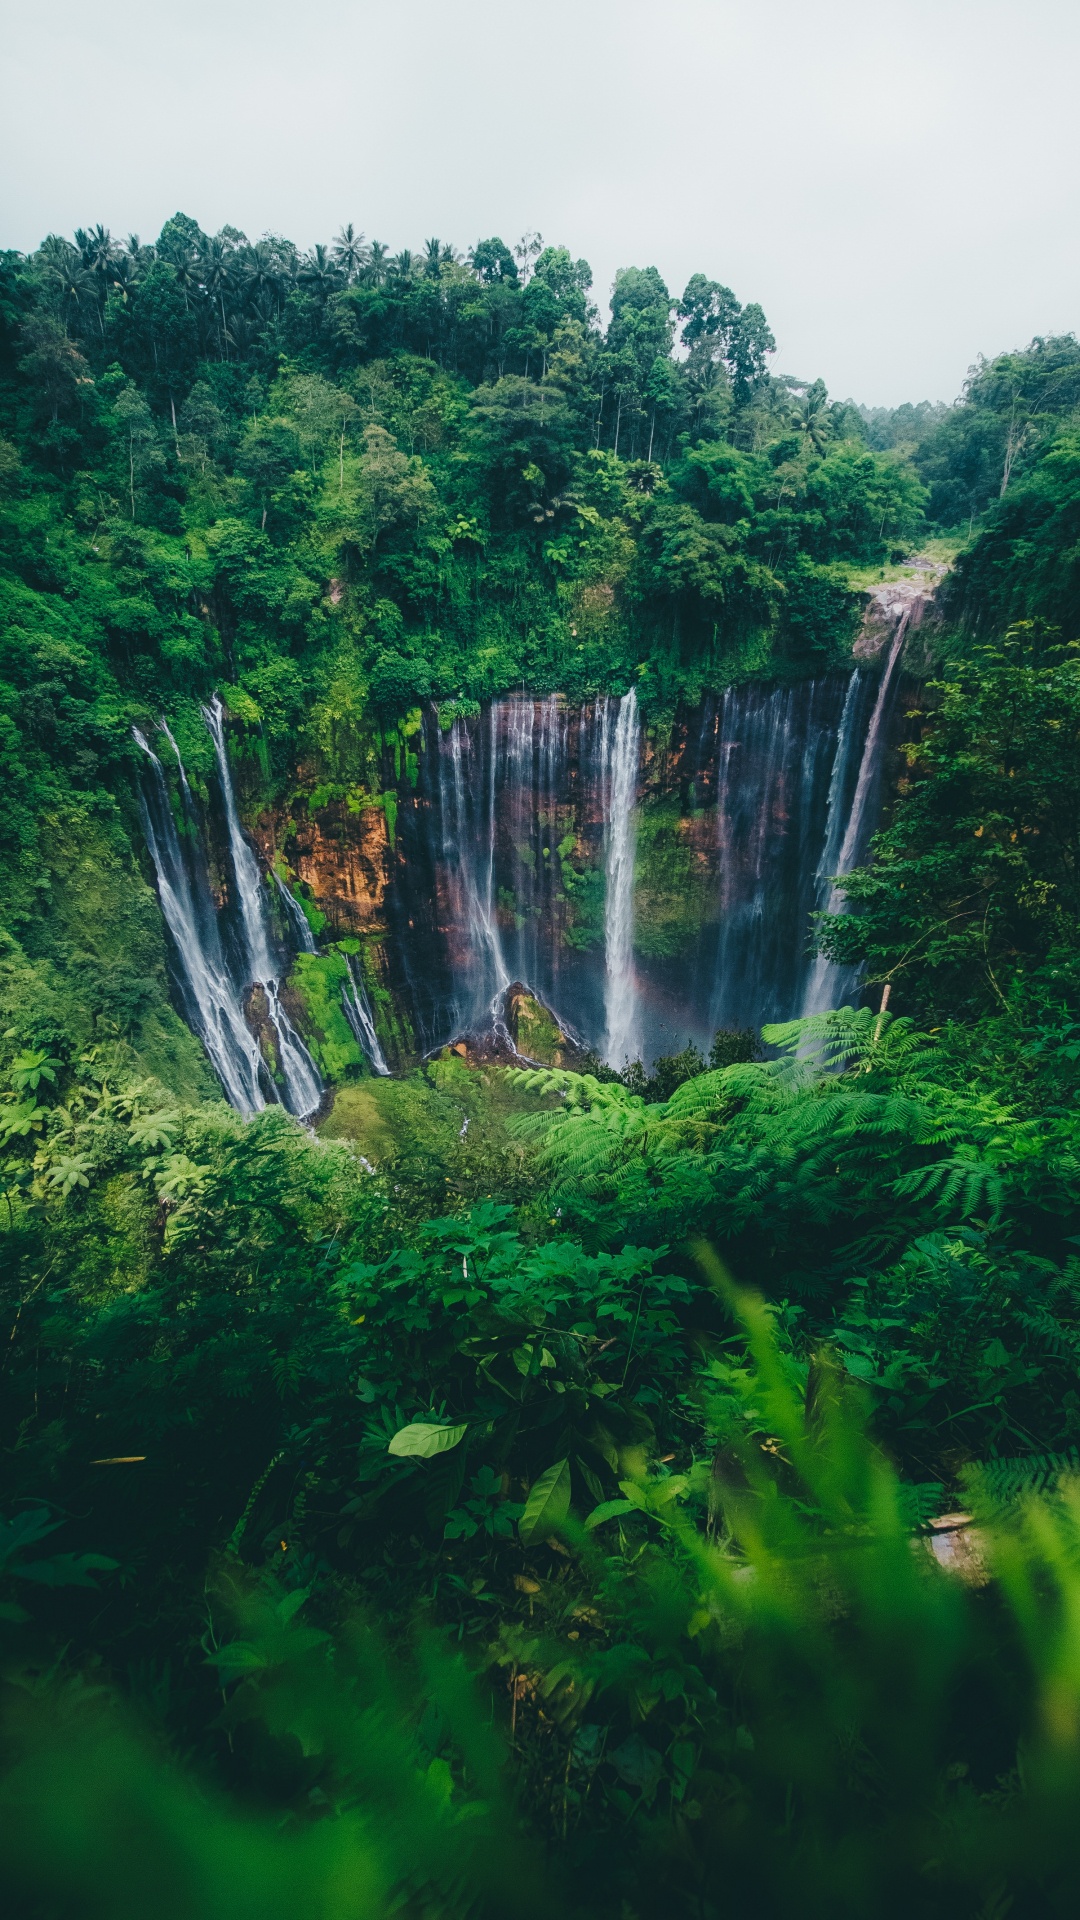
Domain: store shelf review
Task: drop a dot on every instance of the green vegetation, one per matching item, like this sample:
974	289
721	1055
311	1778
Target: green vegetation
521	1491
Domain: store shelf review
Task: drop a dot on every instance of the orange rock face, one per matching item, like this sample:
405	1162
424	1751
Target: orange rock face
344	857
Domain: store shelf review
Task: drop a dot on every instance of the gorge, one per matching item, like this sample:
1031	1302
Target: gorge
646	885
476	1281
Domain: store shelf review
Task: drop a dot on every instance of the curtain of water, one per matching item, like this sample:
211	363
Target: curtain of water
778	786
297	918
828	984
466	800
622	1039
774	752
357	1008
209	995
529	773
302	1082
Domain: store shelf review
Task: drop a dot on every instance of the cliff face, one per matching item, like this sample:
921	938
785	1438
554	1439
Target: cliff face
486	860
887	604
343	859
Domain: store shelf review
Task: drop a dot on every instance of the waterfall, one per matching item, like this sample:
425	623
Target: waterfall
773	755
621	753
522	855
828	983
297	918
303	1086
210	1000
357	1007
467	822
531	780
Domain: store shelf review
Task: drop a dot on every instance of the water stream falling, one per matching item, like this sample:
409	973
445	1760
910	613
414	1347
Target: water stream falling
646	888
210	1000
829	984
649	891
357	1010
467	821
297	918
621	1039
303	1085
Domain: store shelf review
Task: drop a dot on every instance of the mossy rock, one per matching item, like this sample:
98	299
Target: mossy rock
313	997
535	1031
675	890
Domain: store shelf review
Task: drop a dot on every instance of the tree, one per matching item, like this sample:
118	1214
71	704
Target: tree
811	417
975	883
520	431
52	366
142	446
348	253
493	263
396	684
393	491
269	452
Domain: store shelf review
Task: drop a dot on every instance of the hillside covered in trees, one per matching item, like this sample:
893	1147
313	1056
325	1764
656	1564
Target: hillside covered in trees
621	1492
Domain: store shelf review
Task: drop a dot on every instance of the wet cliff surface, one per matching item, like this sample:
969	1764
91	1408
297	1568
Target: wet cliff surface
646	885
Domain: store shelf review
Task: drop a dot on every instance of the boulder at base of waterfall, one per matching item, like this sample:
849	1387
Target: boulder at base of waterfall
535	1031
257	1015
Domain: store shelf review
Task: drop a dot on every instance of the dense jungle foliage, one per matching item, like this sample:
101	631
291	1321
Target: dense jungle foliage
548	1505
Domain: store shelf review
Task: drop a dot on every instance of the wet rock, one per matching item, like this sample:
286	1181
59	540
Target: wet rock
536	1031
888	603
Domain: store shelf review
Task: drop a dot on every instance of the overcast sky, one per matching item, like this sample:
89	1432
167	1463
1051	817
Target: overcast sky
895	180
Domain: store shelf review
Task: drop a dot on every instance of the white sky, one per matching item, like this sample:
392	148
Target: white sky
895	180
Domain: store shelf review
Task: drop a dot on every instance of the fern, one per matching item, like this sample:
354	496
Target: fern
993	1484
965	1185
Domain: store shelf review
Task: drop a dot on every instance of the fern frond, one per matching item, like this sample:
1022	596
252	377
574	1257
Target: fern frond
964	1184
1002	1483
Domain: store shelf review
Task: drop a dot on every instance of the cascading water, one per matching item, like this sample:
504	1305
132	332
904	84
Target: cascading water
357	1010
621	1040
467	822
521	856
774	751
828	984
209	997
825	986
302	1083
297	918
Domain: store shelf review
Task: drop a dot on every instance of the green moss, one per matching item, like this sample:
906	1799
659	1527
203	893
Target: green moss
674	891
313	914
316	982
390	807
537	1033
91	962
413	1129
583	890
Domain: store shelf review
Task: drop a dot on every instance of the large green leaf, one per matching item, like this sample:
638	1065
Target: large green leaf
548	1503
608	1510
422	1440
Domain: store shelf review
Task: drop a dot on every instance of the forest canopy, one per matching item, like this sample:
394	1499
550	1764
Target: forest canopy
620	1493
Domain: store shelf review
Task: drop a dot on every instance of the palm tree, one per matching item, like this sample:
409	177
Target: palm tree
375	268
98	248
130	263
433	254
68	282
264	278
217	274
349	253
404	264
97	252
318	273
812	417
